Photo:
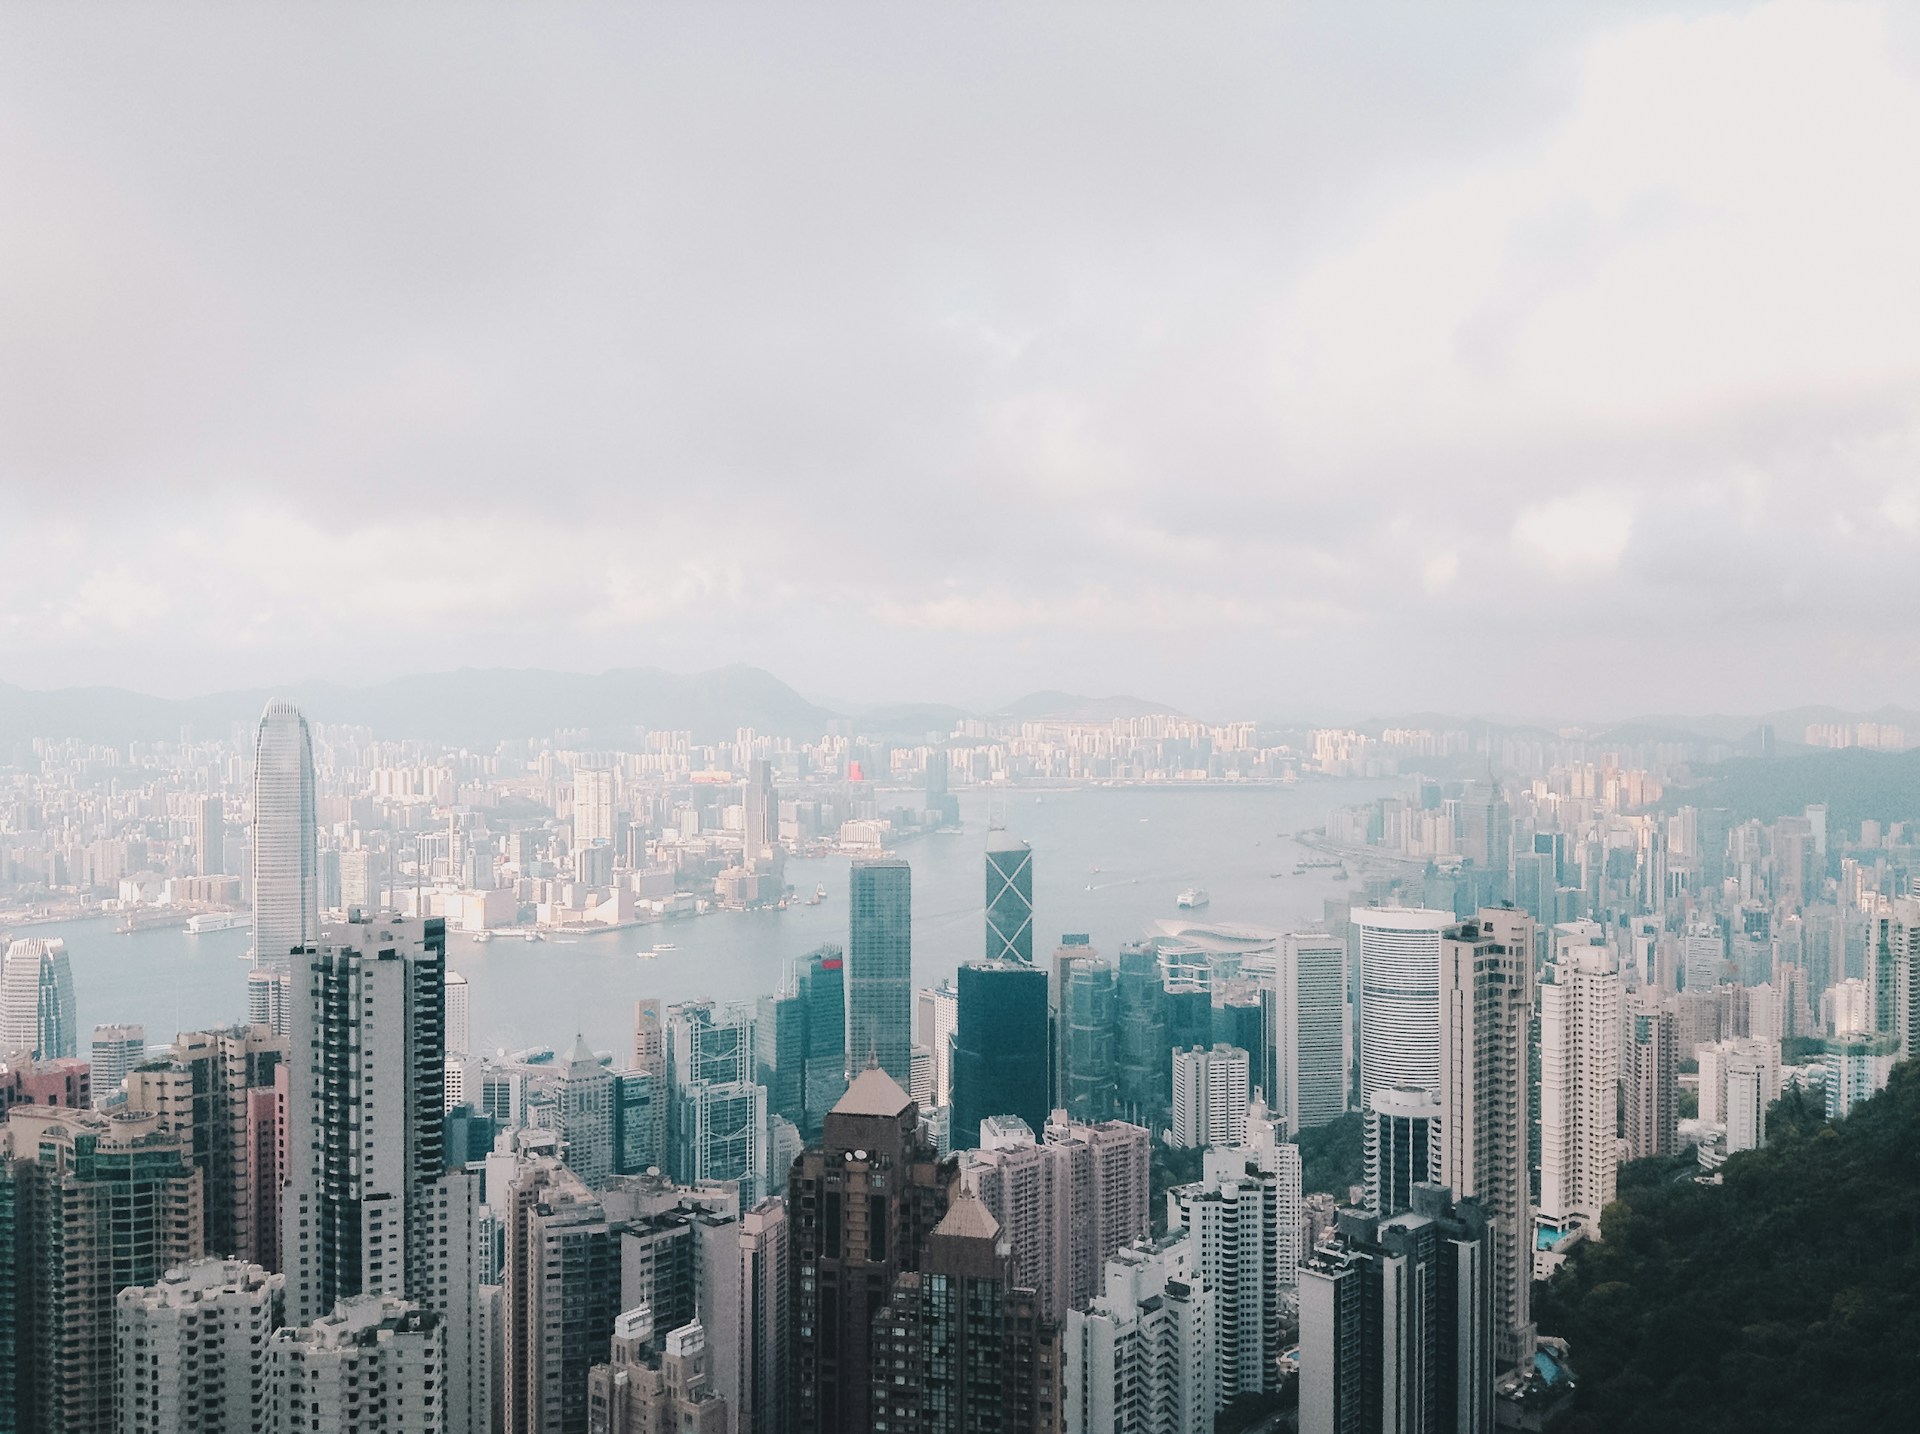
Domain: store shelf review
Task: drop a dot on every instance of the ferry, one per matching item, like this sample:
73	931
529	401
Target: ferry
214	921
664	946
1192	899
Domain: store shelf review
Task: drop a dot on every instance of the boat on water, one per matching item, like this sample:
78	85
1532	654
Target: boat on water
214	921
533	936
483	936
664	946
1192	899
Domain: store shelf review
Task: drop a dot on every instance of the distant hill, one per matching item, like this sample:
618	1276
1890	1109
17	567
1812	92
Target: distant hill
469	707
1854	785
1785	1299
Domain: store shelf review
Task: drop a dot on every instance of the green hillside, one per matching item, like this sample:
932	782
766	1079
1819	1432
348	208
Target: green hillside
1787	1298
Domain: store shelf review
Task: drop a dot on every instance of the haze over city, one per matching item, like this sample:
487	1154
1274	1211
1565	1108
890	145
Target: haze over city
959	719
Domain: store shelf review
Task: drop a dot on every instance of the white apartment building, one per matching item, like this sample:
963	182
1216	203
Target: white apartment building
1580	1031
1211	1087
376	1362
192	1349
1140	1359
1308	1033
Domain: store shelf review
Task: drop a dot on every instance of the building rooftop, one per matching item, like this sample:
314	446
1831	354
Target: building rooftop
967	1218
873	1092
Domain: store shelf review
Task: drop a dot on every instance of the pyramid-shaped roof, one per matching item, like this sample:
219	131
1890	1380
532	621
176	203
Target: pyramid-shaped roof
582	1052
873	1092
968	1218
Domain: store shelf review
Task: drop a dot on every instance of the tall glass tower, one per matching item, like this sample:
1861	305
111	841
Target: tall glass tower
879	969
286	863
36	1000
1009	899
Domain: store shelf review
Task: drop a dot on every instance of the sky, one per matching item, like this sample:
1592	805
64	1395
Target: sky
1272	360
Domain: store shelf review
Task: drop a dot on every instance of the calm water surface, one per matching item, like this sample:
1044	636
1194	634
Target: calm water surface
1148	844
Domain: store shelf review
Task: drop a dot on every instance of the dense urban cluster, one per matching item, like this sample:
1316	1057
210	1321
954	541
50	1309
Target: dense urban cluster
853	1204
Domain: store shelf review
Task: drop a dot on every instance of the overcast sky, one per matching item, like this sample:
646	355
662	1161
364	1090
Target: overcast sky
1290	360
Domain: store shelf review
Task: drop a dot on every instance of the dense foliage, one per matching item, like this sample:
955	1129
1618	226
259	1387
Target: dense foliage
1333	1156
1786	1298
1854	784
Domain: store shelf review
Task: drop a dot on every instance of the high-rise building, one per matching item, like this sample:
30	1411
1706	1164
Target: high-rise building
1140	1357
1009	899
38	1017
879	968
209	837
636	1096
1066	1204
269	990
1651	1078
1396	1321
1705	952
863	1203
374	1362
560	1297
762	816
583	1104
1211	1088
1579	997
982	1356
780	1051
207	1091
1858	1068
191	1350
361	880
1399	997
101	1202
285	856
656	1387
1486	1013
592	806
755	1379
717	1115
822	980
1402	1146
1143	1068
368	1206
1088	1090
1305	1006
650	1059
999	1048
459	1038
938	1012
116	1050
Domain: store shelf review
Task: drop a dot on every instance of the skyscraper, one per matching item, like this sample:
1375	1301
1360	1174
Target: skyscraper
999	1048
651	1384
762	816
286	860
938	1018
192	1349
562	1292
1402	1146
1211	1088
1579	998
116	1050
1009	898
717	1117
1088	1089
879	968
209	837
1486	1002
650	1059
823	989
1305	1005
1399	997
1651	1078
1144	1343
584	1104
38	1017
863	1203
592	805
372	1357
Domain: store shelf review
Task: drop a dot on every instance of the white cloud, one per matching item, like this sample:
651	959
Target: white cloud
1581	536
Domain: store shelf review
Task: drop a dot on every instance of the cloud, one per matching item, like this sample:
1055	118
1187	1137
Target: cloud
1581	536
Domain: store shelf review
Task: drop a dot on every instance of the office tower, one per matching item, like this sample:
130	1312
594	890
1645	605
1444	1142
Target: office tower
101	1202
879	968
1211	1088
1143	1068
1064	1205
14	1375
647	1390
1237	1021
762	816
1705	952
1486	1015
635	1120
116	1050
1305	1006
938	1017
368	1206
780	1051
1399	997
863	1203
285	857
1189	1009
192	1349
717	1116
38	1017
920	1082
373	1362
983	1358
1396	1322
1088	1090
459	1036
583	1104
1651	1079
1242	1214
562	1287
823	989
650	1059
207	1090
1858	1068
209	837
360	880
1140	1356
999	1048
1074	948
1402	1146
761	1275
1579	998
592	806
269	991
1009	899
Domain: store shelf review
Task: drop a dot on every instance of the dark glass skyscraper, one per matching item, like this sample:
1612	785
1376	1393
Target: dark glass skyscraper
823	991
879	968
999	1048
1009	899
